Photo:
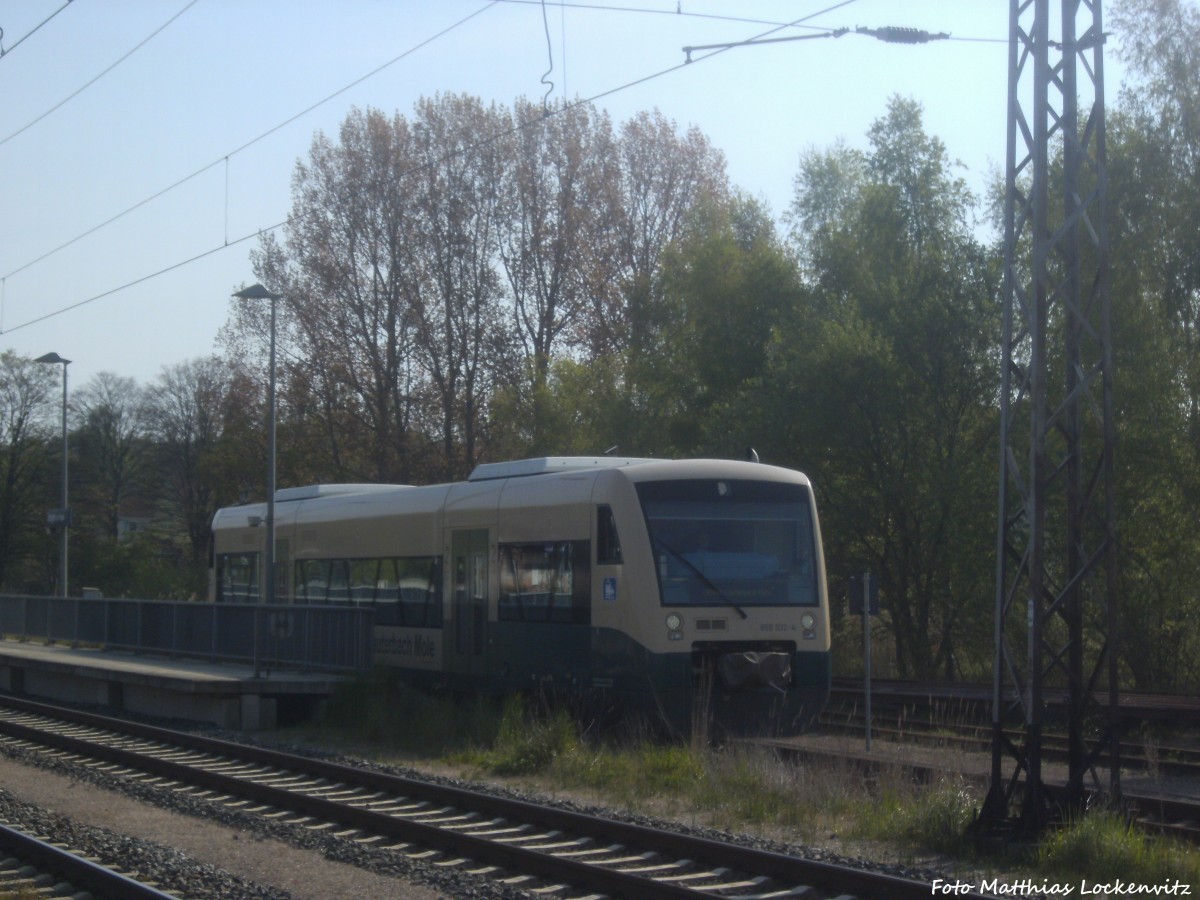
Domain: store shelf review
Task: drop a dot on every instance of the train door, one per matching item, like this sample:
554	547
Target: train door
469	553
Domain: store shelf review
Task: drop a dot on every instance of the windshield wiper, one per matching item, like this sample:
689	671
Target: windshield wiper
704	579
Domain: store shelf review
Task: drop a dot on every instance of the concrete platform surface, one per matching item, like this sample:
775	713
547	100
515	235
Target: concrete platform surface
226	694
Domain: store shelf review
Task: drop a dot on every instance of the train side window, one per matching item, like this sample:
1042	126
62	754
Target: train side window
545	582
608	542
364	580
312	580
237	577
339	581
419	583
405	591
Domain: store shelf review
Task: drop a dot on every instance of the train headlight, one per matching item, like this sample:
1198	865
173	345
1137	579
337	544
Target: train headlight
808	621
674	622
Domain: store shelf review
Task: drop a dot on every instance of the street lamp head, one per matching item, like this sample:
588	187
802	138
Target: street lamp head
52	358
256	292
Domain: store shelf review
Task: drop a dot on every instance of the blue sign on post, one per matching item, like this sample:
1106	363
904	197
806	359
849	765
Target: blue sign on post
864	601
861	585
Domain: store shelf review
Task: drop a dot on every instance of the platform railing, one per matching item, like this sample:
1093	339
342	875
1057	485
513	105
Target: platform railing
316	638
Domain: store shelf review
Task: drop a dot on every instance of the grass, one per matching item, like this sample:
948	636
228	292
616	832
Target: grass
932	819
1108	849
378	712
739	788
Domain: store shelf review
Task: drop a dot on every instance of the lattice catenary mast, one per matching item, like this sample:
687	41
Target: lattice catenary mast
1056	575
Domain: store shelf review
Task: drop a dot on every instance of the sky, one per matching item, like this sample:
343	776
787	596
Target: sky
145	144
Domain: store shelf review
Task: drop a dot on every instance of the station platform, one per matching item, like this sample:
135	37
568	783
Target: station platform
227	695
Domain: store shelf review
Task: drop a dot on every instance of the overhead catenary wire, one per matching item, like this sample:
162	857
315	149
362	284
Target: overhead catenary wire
224	158
29	34
549	60
604	7
140	280
744	20
483	142
890	34
63	102
751	42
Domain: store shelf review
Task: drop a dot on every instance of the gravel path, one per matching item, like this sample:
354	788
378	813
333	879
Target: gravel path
187	855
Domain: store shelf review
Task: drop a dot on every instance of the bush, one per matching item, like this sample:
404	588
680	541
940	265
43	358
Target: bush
380	709
935	819
528	744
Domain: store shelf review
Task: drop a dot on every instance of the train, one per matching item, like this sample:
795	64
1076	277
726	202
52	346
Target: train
691	593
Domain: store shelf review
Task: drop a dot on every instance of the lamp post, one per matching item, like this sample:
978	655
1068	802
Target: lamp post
258	292
61	517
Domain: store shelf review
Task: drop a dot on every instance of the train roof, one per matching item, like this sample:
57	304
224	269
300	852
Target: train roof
324	500
312	491
545	465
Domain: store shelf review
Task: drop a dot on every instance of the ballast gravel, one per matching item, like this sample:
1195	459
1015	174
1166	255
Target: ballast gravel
193	848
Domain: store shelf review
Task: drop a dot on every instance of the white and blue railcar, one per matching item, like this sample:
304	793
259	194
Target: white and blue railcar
681	589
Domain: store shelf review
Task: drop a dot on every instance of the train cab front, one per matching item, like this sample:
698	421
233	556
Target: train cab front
741	583
749	689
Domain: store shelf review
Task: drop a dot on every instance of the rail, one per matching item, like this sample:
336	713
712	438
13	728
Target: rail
319	638
516	842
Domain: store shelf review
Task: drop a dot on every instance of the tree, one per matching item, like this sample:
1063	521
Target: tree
595	214
26	409
557	206
346	328
187	416
392	329
825	191
1154	171
436	267
726	283
110	434
663	177
888	373
455	298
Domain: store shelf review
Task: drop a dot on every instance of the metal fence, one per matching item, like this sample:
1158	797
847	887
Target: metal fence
316	638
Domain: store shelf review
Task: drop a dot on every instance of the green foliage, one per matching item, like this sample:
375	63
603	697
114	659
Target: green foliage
1107	848
729	282
581	286
886	374
143	566
682	386
580	406
28	486
735	788
934	819
1154	170
630	771
528	744
380	711
753	787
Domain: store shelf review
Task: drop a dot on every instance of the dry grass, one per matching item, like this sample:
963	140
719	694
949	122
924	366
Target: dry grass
747	789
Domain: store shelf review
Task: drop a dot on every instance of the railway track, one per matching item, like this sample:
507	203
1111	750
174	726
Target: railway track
974	700
1163	814
914	727
959	716
32	865
557	852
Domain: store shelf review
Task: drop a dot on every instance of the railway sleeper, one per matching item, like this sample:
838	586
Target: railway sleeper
669	866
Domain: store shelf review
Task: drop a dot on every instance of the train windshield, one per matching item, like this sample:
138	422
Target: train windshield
731	543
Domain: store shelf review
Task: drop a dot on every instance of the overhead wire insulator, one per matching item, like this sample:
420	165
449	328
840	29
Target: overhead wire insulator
898	35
